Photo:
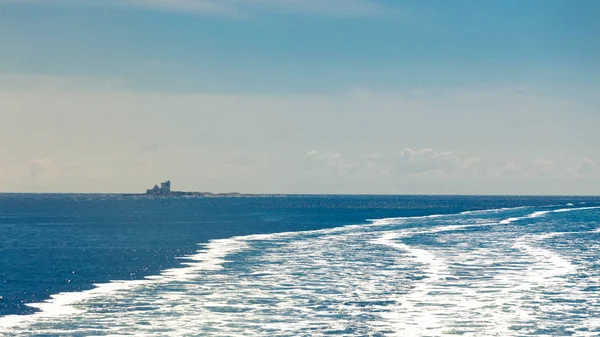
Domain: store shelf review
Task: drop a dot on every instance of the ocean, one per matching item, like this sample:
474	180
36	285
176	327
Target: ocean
110	265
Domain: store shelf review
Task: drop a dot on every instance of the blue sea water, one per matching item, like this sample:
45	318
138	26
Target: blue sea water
110	265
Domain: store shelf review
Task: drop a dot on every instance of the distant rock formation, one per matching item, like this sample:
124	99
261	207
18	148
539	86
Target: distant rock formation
165	188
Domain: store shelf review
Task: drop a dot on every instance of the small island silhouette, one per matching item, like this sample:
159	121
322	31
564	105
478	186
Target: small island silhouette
165	190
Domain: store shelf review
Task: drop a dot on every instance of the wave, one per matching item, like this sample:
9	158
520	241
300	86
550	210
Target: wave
396	220
514	287
61	304
543	213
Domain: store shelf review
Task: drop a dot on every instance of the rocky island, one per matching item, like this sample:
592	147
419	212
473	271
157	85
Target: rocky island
165	190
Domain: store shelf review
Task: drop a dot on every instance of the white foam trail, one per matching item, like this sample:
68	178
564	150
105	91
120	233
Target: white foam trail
549	264
61	304
528	216
434	270
555	274
515	287
398	220
543	213
332	281
536	214
495	210
395	221
211	258
562	210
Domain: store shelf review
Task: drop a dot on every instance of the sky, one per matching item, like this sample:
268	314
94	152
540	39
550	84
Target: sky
301	96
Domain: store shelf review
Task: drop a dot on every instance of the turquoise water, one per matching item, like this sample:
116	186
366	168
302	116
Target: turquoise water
90	265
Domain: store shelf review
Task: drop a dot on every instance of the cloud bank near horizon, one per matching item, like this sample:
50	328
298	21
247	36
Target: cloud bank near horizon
100	140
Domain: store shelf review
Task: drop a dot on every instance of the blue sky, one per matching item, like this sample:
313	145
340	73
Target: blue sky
355	64
269	48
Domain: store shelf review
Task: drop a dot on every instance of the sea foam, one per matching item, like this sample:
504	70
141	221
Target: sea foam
471	274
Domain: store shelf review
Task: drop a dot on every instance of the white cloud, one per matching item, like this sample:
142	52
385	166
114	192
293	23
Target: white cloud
441	164
437	163
510	169
241	8
587	167
544	167
331	161
407	162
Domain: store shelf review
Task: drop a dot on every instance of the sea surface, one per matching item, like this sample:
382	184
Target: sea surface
411	266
